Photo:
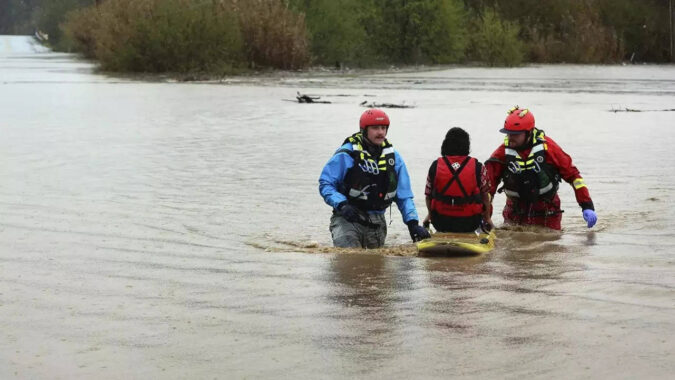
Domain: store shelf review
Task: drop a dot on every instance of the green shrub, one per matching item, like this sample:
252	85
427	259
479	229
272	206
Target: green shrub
586	31
495	41
446	39
336	30
162	36
49	15
419	31
78	31
642	27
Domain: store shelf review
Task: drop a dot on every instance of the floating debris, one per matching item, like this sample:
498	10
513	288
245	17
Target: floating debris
366	95
41	36
637	110
304	98
365	103
277	245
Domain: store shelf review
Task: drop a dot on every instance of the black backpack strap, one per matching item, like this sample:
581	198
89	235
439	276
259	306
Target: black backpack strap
352	153
492	159
456	201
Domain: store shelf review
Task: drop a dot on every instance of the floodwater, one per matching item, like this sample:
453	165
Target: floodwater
174	230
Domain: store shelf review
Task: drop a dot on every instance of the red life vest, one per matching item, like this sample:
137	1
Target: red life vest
456	189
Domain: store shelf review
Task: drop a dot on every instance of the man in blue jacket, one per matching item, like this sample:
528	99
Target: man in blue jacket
361	180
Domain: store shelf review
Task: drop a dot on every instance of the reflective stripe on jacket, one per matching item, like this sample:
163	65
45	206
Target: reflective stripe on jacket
371	183
333	175
533	178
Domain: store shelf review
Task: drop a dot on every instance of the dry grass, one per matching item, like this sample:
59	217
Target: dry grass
189	36
274	36
580	38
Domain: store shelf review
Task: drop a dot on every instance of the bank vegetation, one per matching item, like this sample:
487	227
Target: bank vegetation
230	36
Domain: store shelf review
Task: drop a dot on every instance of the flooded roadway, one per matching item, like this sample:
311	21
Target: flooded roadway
174	230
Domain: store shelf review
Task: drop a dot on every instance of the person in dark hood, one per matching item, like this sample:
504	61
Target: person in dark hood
458	189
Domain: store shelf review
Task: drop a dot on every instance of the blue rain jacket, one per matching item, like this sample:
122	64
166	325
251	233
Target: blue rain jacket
335	170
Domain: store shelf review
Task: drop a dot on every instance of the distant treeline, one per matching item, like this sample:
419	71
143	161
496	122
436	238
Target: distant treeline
225	36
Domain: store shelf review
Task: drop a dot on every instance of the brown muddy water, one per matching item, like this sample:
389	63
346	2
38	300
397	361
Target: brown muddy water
175	230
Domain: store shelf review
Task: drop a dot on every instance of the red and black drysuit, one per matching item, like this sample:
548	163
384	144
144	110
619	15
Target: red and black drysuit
455	185
531	176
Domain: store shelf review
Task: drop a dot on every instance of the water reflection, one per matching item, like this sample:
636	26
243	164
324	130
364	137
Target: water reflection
464	265
531	256
364	281
361	296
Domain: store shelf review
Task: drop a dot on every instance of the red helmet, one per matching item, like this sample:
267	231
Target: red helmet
373	116
518	121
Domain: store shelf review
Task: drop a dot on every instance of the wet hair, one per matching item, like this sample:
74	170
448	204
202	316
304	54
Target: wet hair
456	143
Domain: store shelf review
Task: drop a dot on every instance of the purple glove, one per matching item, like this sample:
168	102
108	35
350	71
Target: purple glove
590	217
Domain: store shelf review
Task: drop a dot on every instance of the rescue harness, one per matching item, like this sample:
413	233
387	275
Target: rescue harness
463	199
371	183
531	179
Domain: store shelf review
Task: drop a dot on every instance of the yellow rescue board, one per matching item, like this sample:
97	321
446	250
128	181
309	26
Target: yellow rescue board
456	244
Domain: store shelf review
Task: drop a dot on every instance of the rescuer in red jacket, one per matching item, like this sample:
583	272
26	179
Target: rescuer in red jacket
531	165
457	191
